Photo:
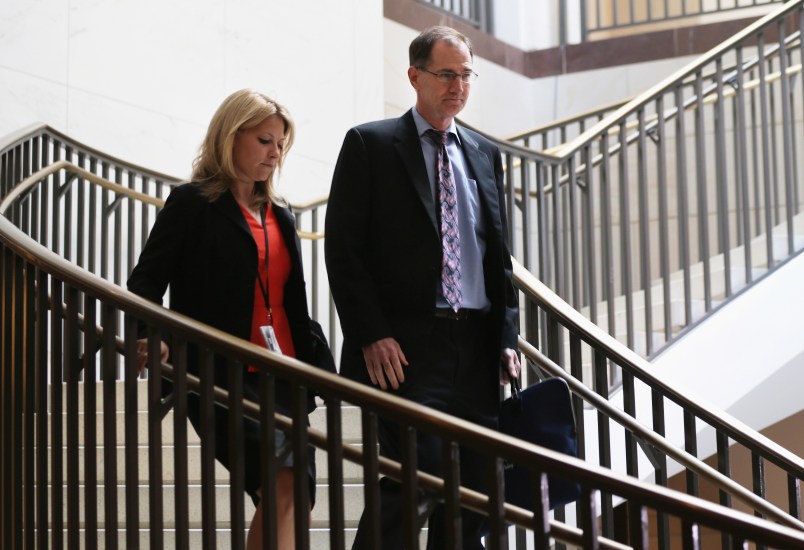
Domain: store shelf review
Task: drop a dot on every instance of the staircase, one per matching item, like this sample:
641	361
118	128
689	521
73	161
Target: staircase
319	533
736	277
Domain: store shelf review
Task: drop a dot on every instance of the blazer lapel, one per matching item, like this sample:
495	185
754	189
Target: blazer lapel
287	226
230	209
409	148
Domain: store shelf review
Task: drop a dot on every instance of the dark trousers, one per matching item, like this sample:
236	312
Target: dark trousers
455	372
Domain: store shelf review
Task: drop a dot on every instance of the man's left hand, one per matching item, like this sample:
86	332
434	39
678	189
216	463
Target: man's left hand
509	366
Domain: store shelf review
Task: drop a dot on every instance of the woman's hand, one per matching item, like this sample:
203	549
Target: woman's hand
142	353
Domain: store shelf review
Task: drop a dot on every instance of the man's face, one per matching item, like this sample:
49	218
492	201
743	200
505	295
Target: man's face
439	102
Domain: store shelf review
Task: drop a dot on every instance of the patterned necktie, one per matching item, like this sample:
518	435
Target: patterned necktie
450	239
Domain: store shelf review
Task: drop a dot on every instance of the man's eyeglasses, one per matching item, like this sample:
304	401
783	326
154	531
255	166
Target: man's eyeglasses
448	77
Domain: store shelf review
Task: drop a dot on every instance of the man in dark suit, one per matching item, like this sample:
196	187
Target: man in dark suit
420	270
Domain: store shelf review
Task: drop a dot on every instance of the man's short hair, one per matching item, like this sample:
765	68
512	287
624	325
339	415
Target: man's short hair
422	46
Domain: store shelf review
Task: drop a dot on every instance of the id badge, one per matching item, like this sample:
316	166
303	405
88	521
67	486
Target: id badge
270	338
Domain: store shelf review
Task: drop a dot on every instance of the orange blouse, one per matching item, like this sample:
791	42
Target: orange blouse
276	272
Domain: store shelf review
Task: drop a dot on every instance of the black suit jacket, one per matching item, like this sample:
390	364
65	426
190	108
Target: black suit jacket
383	250
207	255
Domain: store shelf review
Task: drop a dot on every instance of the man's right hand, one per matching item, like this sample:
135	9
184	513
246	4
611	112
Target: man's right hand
384	362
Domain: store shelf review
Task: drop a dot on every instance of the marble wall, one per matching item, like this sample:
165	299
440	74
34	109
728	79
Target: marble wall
141	79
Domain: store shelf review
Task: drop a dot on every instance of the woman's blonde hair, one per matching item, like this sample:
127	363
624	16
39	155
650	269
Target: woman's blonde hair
214	168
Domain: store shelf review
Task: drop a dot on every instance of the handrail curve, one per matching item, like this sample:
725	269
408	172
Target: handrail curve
677	77
641	368
455	429
531	172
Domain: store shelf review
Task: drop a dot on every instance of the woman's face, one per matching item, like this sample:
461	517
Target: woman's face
257	150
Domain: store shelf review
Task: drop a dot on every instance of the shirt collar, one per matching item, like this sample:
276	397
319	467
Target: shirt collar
422	125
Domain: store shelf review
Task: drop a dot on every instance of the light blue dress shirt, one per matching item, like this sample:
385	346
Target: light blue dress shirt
471	226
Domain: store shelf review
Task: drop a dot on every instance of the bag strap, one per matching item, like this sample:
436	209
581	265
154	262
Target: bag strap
516	393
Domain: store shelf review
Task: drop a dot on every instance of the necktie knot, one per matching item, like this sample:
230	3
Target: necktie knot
439	138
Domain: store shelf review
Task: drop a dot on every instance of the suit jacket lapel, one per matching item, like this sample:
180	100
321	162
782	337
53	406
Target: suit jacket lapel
484	176
408	145
287	226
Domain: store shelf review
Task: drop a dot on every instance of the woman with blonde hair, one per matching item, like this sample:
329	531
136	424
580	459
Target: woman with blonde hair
227	247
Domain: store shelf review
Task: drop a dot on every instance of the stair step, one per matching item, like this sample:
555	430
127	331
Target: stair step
319	539
353	506
736	277
319	534
350	425
351	471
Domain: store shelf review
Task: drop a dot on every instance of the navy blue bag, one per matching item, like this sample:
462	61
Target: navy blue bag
541	414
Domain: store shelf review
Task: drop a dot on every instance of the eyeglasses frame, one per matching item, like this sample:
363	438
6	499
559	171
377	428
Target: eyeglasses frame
448	77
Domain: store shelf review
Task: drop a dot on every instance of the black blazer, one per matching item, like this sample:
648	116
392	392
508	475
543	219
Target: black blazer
207	255
383	251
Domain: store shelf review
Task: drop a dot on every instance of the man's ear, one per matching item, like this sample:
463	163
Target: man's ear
413	76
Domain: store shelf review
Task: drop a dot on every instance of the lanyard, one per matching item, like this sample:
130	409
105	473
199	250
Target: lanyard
265	287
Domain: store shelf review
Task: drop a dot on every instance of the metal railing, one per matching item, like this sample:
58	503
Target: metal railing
477	13
546	137
55	313
69	335
588	20
109	227
647	429
668	207
610	15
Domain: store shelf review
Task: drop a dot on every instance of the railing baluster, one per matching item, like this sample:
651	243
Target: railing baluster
794	495
557	231
525	169
574	267
131	435
590	268
371	490
270	464
741	168
543	231
236	448
155	444
625	235
691	535
56	416
42	384
683	204
453	536
722	182
206	411
109	375
701	185
787	140
724	466
90	347
301	479
638	526
178	360
662	140
644	232
588	502
629	404
71	366
498	537
410	487
335	474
